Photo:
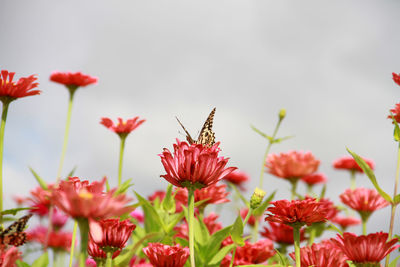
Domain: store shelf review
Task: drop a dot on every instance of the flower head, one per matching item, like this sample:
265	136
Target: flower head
122	128
297	212
345	222
370	248
138	215
363	200
294	164
57	240
76	79
194	166
97	253
40	200
161	255
255	253
395	112
10	90
58	219
396	78
348	163
314	178
80	199
113	234
281	233
9	256
237	178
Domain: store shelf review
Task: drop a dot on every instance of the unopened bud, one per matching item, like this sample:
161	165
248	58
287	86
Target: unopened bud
282	114
257	198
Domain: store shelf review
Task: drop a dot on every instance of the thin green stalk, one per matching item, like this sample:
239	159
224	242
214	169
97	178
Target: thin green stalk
296	238
246	219
353	179
312	236
233	257
84	231
121	156
2	127
267	151
191	226
364	227
293	181
71	255
66	134
393	210
109	259
254	235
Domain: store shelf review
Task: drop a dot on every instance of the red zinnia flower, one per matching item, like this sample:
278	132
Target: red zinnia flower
255	253
281	233
122	128
10	90
237	178
161	255
363	200
81	199
395	113
72	79
328	206
297	212
314	178
348	163
57	240
97	253
371	248
9	257
112	234
345	222
58	219
137	262
210	221
20	200
252	219
40	200
291	165
160	194
323	254
396	78
194	165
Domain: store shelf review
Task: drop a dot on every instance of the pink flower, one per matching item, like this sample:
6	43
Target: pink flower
10	90
112	234
9	256
297	212
138	215
57	240
292	165
370	248
396	78
237	178
40	200
194	165
314	178
72	79
122	128
161	255
80	199
348	163
58	219
250	253
395	113
97	253
281	233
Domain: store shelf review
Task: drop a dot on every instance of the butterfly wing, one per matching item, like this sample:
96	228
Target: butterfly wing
188	137
14	234
207	136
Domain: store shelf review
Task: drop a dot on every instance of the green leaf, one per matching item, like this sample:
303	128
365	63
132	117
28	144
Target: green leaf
153	222
41	182
279	140
22	264
181	241
215	241
323	191
368	171
394	262
282	258
396	199
107	185
261	209
13	211
71	173
42	261
168	203
221	254
174	219
237	231
351	264
396	133
262	133
334	228
123	187
202	235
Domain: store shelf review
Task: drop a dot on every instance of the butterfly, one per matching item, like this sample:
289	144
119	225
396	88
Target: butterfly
206	136
14	234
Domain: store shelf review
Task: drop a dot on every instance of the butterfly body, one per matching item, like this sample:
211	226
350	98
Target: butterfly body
206	136
14	234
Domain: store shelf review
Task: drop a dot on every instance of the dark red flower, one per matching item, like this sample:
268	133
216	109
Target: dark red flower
57	240
321	255
345	222
210	221
80	199
9	256
395	112
396	78
112	234
363	200
371	248
122	128
348	163
281	233
314	178
137	262
161	255
40	200
252	219
329	207
10	90
194	165
97	253
297	212
291	165
250	253
72	79
237	178
160	194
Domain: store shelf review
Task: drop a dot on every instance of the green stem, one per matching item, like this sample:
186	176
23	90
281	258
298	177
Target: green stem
71	255
293	181
267	151
109	259
2	127
191	226
233	257
121	156
254	236
246	219
84	231
393	210
312	236
364	227
353	179
296	238
66	134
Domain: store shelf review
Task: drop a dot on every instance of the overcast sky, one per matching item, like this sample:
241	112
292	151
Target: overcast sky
329	63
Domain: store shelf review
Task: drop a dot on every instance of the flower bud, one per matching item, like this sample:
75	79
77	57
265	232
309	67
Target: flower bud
256	198
282	114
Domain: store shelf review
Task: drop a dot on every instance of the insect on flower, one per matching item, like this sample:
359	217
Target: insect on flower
14	234
206	136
